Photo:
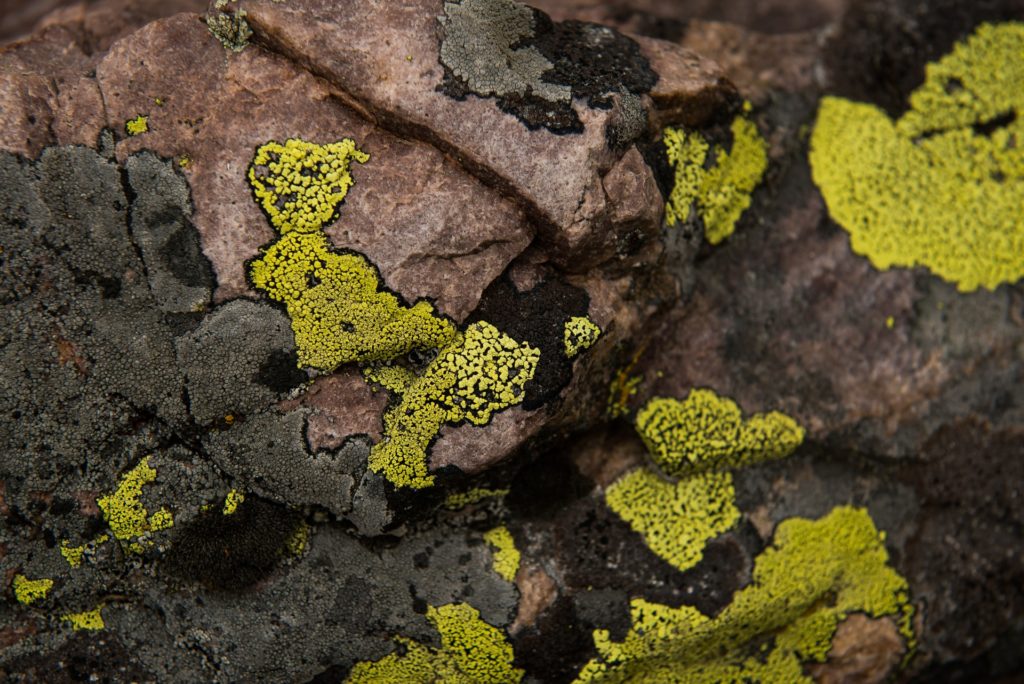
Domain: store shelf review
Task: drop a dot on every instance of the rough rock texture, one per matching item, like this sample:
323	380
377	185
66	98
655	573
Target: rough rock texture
182	500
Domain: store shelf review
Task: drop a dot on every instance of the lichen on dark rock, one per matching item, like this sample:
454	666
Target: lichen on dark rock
535	67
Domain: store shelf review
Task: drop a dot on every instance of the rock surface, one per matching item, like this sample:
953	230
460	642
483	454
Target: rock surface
184	500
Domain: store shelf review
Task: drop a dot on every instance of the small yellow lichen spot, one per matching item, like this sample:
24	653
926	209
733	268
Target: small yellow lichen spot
184	161
232	501
580	333
123	510
719	194
890	322
298	541
29	591
88	620
943	186
72	554
678	519
159	101
472	652
301	184
481	372
460	500
707	432
137	126
813	575
338	310
506	555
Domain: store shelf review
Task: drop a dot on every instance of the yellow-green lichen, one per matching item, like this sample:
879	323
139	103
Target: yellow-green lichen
472	652
719	194
74	554
943	186
127	518
506	555
705	431
232	501
88	620
676	519
580	333
301	184
29	591
699	441
137	126
298	542
811	578
481	372
459	500
338	311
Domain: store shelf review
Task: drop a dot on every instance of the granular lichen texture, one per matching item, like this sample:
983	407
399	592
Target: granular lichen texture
580	334
300	184
472	652
482	372
506	555
814	575
126	515
89	620
28	591
943	186
675	519
707	432
697	442
717	190
338	309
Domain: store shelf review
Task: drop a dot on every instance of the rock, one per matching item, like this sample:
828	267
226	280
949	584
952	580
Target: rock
408	338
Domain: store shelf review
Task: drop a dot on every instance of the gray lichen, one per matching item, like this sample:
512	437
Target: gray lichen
480	48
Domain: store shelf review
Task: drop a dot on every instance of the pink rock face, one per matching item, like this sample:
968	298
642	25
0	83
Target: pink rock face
455	193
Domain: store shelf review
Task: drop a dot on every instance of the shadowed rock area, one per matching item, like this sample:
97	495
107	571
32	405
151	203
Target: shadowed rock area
466	340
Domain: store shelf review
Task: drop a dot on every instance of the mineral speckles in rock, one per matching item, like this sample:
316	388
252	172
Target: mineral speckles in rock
533	66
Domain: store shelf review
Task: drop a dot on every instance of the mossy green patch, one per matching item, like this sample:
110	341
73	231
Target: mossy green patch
580	334
719	191
812	577
137	126
91	620
481	372
123	510
472	652
707	432
506	555
943	186
29	591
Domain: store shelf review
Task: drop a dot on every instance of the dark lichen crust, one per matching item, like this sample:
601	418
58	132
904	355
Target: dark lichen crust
534	67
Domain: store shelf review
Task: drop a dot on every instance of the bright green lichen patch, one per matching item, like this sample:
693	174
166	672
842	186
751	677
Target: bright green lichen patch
232	501
74	554
472	652
137	126
481	372
812	577
580	334
677	519
719	194
699	440
943	186
705	431
301	184
339	312
88	620
123	510
506	555
29	591
462	499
